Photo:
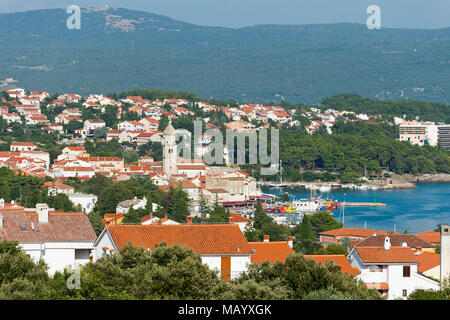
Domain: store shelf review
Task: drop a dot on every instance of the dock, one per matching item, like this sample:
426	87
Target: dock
363	204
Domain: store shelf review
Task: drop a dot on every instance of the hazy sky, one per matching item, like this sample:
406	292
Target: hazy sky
238	13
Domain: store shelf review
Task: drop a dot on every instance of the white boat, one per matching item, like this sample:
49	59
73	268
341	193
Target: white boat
306	205
325	188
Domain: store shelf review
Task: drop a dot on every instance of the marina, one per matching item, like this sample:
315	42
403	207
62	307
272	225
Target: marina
415	210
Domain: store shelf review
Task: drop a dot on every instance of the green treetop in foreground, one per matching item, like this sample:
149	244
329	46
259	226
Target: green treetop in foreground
174	272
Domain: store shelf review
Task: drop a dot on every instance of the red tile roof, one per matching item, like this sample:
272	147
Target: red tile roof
337	259
428	260
55	184
411	240
61	227
393	255
204	239
270	251
359	232
238	218
430	236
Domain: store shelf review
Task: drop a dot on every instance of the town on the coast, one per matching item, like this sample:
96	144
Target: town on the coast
84	177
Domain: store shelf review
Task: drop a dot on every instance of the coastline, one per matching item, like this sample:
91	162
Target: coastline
395	182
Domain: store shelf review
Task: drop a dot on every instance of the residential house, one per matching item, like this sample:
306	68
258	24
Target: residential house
230	257
393	271
62	240
22	146
55	188
85	201
124	206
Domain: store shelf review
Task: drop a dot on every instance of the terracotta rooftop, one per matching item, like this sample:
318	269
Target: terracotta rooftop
428	260
430	236
358	232
61	227
393	255
336	259
55	184
238	218
396	240
270	251
205	239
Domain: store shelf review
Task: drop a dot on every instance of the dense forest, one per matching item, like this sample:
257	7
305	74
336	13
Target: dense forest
426	111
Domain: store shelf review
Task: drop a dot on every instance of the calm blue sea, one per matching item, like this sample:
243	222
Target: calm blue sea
416	210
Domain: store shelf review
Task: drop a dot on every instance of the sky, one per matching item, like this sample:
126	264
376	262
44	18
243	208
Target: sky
427	14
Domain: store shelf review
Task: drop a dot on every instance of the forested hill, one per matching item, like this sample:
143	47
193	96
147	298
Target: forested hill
426	111
120	49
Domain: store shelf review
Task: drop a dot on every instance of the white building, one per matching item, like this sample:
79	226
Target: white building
136	204
86	201
393	271
18	146
229	258
44	233
131	126
419	133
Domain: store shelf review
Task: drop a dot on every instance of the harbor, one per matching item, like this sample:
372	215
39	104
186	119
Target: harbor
413	210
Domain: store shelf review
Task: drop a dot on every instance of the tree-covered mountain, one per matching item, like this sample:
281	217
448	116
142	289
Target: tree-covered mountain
120	49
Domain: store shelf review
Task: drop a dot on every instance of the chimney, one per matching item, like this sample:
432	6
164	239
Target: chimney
42	212
1	221
230	220
404	244
266	238
189	220
387	243
445	252
290	242
2	203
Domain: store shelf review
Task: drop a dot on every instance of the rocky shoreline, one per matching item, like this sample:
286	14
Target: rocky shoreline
428	178
395	182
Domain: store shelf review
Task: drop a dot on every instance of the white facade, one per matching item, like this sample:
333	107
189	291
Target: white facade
418	133
87	201
239	263
392	274
59	255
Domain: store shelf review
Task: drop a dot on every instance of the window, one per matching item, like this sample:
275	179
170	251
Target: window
406	271
373	268
405	293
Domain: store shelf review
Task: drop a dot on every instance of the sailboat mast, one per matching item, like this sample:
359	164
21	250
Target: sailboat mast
281	172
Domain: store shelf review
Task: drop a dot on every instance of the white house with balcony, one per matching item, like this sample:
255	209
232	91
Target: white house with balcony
393	271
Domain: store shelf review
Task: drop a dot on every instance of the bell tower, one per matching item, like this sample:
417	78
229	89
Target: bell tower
445	252
170	153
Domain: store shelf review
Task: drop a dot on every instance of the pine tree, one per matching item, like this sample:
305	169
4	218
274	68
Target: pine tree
306	230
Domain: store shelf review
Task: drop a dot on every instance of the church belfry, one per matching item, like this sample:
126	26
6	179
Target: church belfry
170	153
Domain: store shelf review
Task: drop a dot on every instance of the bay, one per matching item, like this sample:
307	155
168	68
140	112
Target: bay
415	210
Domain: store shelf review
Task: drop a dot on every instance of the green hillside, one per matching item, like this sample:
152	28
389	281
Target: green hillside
119	49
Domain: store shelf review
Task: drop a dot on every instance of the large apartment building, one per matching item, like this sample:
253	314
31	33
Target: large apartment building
419	133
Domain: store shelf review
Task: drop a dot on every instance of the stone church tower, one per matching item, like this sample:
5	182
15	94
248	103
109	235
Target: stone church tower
170	153
445	252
